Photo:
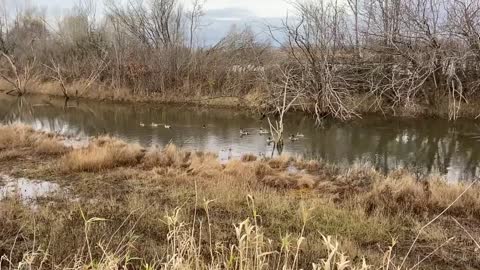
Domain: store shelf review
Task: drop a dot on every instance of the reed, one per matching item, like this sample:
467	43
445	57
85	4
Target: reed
104	153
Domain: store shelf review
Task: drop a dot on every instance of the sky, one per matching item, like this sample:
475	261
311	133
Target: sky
220	15
258	8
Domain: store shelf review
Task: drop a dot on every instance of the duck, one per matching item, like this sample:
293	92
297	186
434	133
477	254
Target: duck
293	138
142	124
269	140
204	126
299	135
154	125
167	126
243	132
263	131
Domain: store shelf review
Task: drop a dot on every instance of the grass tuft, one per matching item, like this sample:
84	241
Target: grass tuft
249	158
283	209
104	153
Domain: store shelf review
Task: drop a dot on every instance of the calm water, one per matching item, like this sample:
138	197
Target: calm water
424	145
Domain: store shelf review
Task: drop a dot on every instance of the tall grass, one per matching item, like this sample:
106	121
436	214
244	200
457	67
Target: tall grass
190	246
104	153
176	209
19	136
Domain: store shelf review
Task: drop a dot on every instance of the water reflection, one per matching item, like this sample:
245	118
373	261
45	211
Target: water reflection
423	145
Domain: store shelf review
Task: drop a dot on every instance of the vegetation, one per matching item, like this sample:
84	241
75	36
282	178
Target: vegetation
329	58
121	206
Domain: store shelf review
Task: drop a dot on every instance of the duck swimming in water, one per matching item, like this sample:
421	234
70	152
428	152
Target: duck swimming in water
269	140
299	135
167	126
154	125
142	124
243	132
263	131
293	138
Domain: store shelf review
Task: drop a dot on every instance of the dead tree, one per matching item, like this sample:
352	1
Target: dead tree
194	17
157	24
313	42
58	75
283	98
18	76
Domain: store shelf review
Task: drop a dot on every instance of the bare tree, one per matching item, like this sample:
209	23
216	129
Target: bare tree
355	8
282	99
57	76
158	23
194	17
18	76
313	41
66	88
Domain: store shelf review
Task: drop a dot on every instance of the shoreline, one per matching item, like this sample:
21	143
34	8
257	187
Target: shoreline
130	189
252	101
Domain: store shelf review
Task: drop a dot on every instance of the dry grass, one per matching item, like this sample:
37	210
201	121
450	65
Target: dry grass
20	136
170	156
184	247
104	153
280	162
133	189
16	136
249	158
50	146
401	194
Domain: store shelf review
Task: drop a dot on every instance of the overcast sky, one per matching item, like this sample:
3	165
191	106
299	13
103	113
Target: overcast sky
259	8
220	15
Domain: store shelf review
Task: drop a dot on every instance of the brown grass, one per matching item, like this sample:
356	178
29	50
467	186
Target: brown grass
104	153
170	156
50	146
134	188
401	194
16	136
281	162
249	158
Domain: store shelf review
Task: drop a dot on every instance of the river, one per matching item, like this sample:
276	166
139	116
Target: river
423	145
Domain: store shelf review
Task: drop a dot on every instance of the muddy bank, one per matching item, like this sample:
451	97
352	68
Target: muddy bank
255	100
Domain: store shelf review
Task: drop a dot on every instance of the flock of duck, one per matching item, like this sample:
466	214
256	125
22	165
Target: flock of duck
156	125
263	131
243	132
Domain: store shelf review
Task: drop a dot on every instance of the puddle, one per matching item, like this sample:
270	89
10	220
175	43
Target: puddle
27	189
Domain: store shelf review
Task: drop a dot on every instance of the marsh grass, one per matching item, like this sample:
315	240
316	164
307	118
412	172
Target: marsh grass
104	153
175	209
249	158
188	245
18	136
50	146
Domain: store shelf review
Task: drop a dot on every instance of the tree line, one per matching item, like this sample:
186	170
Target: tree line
326	57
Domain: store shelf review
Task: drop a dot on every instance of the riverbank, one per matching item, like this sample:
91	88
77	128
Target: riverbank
254	100
101	92
120	204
